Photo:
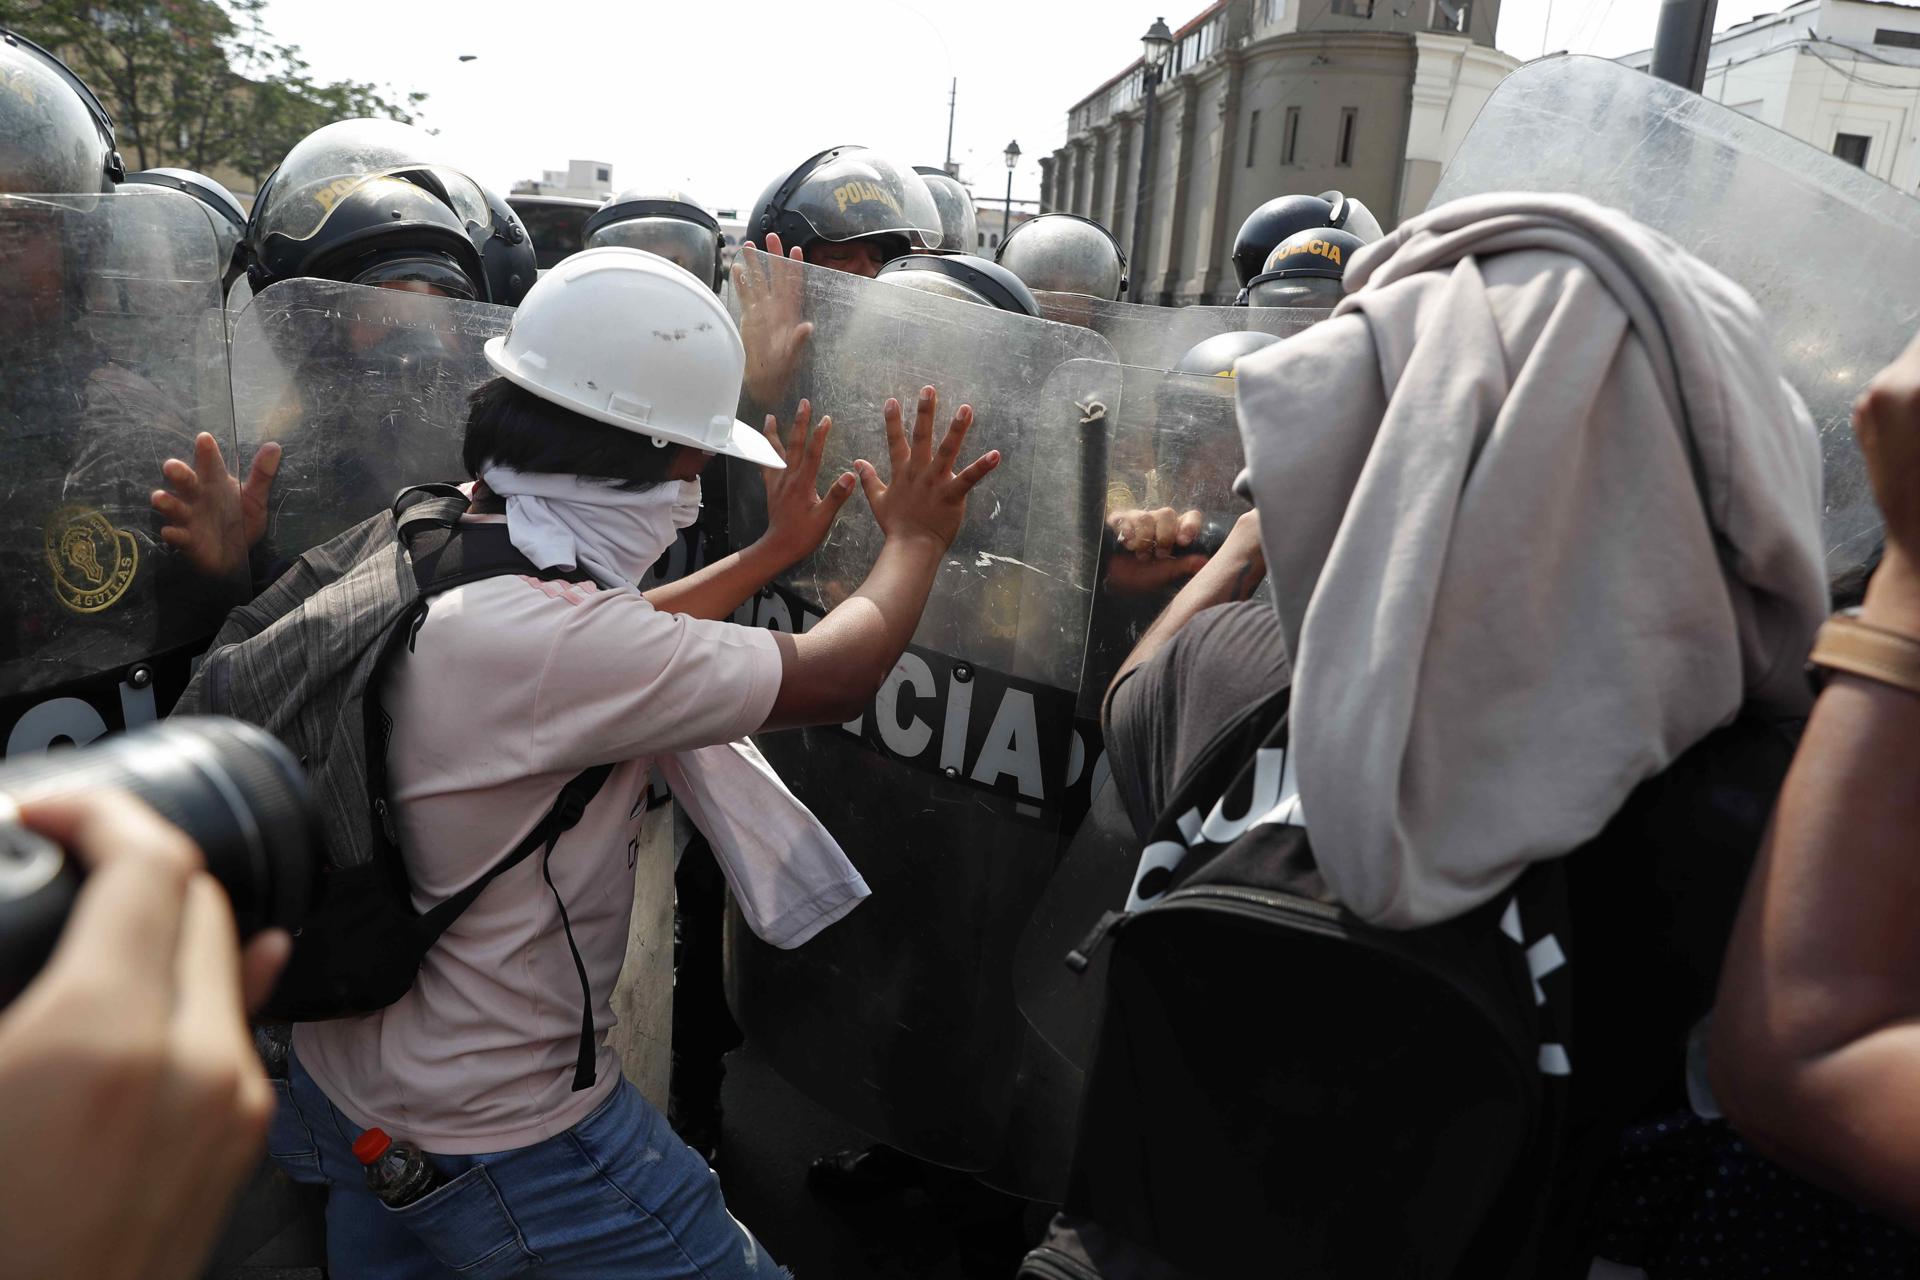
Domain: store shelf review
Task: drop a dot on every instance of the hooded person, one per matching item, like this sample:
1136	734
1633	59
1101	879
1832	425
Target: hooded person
495	1061
1643	485
1545	564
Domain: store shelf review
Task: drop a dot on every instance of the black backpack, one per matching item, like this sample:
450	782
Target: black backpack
306	660
1279	1087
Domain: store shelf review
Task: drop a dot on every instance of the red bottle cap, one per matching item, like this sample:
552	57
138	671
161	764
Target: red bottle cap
371	1145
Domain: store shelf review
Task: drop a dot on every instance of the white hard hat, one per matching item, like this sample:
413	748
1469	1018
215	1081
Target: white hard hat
631	340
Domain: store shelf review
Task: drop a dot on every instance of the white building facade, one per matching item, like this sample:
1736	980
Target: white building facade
1842	75
1262	98
580	180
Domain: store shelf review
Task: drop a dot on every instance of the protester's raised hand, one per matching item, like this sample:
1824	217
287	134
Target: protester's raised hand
771	288
798	517
923	496
1886	424
132	1104
211	516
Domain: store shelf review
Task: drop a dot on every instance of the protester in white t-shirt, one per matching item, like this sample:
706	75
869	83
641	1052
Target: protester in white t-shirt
585	446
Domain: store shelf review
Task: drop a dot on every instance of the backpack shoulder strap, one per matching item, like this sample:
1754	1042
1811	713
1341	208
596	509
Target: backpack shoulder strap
568	808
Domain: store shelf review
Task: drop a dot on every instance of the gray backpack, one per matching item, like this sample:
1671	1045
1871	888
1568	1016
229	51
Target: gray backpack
306	661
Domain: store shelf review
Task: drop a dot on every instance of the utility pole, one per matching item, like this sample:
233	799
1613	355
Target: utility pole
953	96
1681	41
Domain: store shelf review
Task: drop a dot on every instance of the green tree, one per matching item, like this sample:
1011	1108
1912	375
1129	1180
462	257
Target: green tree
198	83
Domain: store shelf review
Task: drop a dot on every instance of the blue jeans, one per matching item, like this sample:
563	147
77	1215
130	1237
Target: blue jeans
616	1195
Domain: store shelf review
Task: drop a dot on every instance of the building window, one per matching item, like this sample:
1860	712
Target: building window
1354	8
1451	15
1289	134
1898	39
1852	147
603	174
1253	136
1273	10
1349	116
995	238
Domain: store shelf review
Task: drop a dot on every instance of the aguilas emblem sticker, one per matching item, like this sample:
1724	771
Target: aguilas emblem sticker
93	563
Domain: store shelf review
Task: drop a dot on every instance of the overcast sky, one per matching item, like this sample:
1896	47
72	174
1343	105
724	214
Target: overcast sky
718	98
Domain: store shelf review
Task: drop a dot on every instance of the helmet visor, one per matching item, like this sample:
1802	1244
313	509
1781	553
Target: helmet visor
433	269
1295	291
683	243
935	283
862	193
959	228
326	166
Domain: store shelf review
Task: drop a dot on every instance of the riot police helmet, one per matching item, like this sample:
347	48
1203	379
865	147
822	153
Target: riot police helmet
1214	357
959	226
319	186
964	277
1279	218
229	219
846	194
55	136
1065	253
669	223
507	253
1305	270
383	229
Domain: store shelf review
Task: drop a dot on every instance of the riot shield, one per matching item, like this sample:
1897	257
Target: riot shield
1175	446
1173	443
366	391
1693	169
1156	337
951	790
112	358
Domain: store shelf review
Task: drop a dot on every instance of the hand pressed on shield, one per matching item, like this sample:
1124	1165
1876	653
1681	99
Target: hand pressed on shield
132	1104
831	672
798	517
771	288
1159	534
211	516
923	496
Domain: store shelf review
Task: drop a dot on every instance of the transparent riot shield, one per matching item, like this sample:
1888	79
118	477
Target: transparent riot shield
950	792
1812	238
112	359
366	391
1156	337
1172	447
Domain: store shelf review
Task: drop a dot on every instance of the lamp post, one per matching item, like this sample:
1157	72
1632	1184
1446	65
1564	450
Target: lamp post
1155	45
1006	214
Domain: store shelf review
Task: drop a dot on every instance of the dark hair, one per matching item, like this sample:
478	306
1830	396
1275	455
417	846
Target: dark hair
509	426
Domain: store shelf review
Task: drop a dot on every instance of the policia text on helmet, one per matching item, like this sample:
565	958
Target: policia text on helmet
1283	216
848	208
1307	269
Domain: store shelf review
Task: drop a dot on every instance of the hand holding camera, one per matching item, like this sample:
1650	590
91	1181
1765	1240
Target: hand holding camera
132	1105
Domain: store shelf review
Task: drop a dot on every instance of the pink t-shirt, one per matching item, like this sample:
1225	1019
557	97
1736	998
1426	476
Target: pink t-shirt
517	685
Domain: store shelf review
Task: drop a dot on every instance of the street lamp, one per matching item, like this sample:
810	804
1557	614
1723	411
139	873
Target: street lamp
1155	45
1006	214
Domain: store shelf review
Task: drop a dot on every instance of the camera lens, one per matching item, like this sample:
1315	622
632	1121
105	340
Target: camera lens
232	787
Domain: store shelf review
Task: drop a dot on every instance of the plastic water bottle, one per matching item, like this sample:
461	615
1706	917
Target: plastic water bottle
397	1172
